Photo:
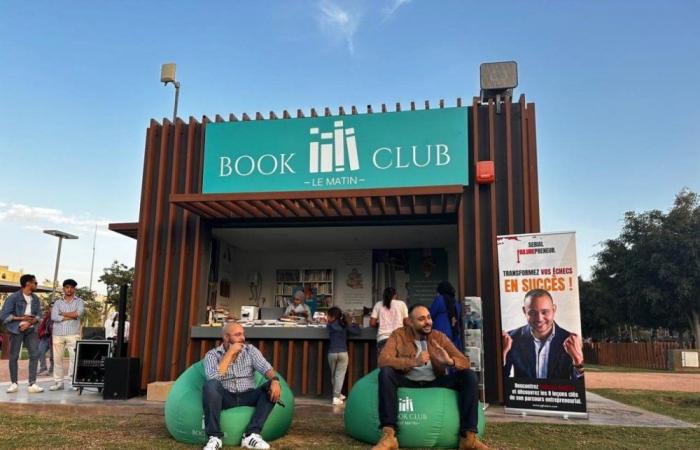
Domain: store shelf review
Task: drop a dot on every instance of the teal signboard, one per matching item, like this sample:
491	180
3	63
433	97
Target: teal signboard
388	150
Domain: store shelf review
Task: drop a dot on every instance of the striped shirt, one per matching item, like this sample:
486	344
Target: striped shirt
67	327
239	376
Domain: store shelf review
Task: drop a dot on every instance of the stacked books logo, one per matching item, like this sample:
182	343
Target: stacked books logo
331	152
405	404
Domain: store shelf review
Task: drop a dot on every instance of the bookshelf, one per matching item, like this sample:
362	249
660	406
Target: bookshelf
320	280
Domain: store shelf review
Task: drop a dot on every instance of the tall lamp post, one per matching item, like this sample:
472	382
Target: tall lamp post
61	235
167	75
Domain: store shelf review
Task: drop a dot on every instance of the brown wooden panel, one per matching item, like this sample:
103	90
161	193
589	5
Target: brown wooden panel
290	363
276	355
319	368
305	368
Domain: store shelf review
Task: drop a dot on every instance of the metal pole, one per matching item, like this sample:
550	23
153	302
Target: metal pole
177	96
92	266
55	272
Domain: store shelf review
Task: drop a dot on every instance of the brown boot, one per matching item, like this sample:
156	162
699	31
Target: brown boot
388	440
471	442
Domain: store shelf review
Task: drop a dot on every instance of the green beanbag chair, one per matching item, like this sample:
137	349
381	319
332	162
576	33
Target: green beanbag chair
184	416
428	417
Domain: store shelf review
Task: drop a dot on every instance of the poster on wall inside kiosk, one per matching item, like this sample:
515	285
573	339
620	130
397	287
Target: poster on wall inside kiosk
541	325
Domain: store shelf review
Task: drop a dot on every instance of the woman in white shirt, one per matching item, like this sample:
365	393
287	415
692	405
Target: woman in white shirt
388	315
111	326
298	308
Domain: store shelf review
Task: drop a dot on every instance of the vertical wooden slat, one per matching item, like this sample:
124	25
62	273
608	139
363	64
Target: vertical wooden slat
365	356
154	285
290	363
532	169
351	364
169	227
319	368
305	368
142	242
526	163
509	166
175	363
276	355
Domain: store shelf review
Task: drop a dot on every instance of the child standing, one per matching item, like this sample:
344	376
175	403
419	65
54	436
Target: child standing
338	329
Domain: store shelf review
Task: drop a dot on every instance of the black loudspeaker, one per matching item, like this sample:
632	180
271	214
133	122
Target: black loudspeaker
121	378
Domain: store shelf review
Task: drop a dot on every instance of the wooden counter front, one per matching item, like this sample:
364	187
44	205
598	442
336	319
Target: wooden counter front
299	354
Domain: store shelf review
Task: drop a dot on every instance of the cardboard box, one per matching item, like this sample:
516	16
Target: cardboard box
158	391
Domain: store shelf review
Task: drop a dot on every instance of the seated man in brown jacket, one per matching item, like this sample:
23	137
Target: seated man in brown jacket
416	356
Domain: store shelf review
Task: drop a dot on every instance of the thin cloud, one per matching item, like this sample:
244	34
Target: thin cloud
338	23
39	218
393	7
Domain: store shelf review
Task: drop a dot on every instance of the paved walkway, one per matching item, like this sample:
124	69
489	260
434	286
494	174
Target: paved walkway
651	381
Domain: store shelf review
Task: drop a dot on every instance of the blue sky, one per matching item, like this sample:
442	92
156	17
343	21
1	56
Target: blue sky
614	84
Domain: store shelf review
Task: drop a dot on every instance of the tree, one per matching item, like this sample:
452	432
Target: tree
113	278
652	270
93	307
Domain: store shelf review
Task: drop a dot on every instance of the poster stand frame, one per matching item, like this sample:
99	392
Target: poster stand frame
536	412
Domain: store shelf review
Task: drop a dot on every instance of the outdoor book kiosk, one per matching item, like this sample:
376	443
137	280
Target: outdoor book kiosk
339	205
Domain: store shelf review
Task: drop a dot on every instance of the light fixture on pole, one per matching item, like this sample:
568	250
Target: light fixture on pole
498	80
61	235
167	75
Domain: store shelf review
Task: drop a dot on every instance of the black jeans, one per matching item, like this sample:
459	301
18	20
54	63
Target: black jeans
215	398
464	382
31	342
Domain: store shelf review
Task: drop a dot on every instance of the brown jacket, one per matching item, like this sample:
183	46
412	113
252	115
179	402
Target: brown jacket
400	351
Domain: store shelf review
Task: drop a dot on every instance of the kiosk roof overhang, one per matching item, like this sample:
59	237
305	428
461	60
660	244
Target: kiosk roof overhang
415	201
128	229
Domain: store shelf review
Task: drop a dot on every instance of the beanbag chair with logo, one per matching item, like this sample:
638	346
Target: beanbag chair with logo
428	417
184	416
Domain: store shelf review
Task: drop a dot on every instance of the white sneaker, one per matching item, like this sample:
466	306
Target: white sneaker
35	389
254	441
56	387
337	401
12	389
213	444
342	397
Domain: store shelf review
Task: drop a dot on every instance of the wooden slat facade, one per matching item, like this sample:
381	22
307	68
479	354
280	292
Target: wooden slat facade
175	222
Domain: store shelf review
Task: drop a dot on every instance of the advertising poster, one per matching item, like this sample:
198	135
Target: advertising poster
543	365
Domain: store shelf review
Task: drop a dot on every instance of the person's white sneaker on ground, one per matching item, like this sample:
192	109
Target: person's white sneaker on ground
12	389
213	444
342	397
254	440
337	401
56	387
35	389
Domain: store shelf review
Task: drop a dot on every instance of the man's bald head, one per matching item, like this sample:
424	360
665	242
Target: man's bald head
233	332
420	319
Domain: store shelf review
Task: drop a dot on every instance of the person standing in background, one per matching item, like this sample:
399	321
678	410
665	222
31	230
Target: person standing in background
45	342
338	329
388	315
66	314
446	312
20	313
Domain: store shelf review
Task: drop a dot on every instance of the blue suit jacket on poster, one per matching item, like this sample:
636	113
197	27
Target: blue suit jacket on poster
522	355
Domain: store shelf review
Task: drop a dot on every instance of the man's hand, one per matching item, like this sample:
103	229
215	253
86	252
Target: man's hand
275	391
422	358
24	325
507	344
441	355
574	348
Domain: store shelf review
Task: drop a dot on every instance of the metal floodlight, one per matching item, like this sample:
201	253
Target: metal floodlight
60	234
167	75
498	80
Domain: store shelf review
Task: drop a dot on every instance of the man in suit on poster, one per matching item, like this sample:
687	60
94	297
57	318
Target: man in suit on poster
541	348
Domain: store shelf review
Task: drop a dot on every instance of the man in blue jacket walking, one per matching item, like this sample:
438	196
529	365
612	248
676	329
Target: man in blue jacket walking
21	313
